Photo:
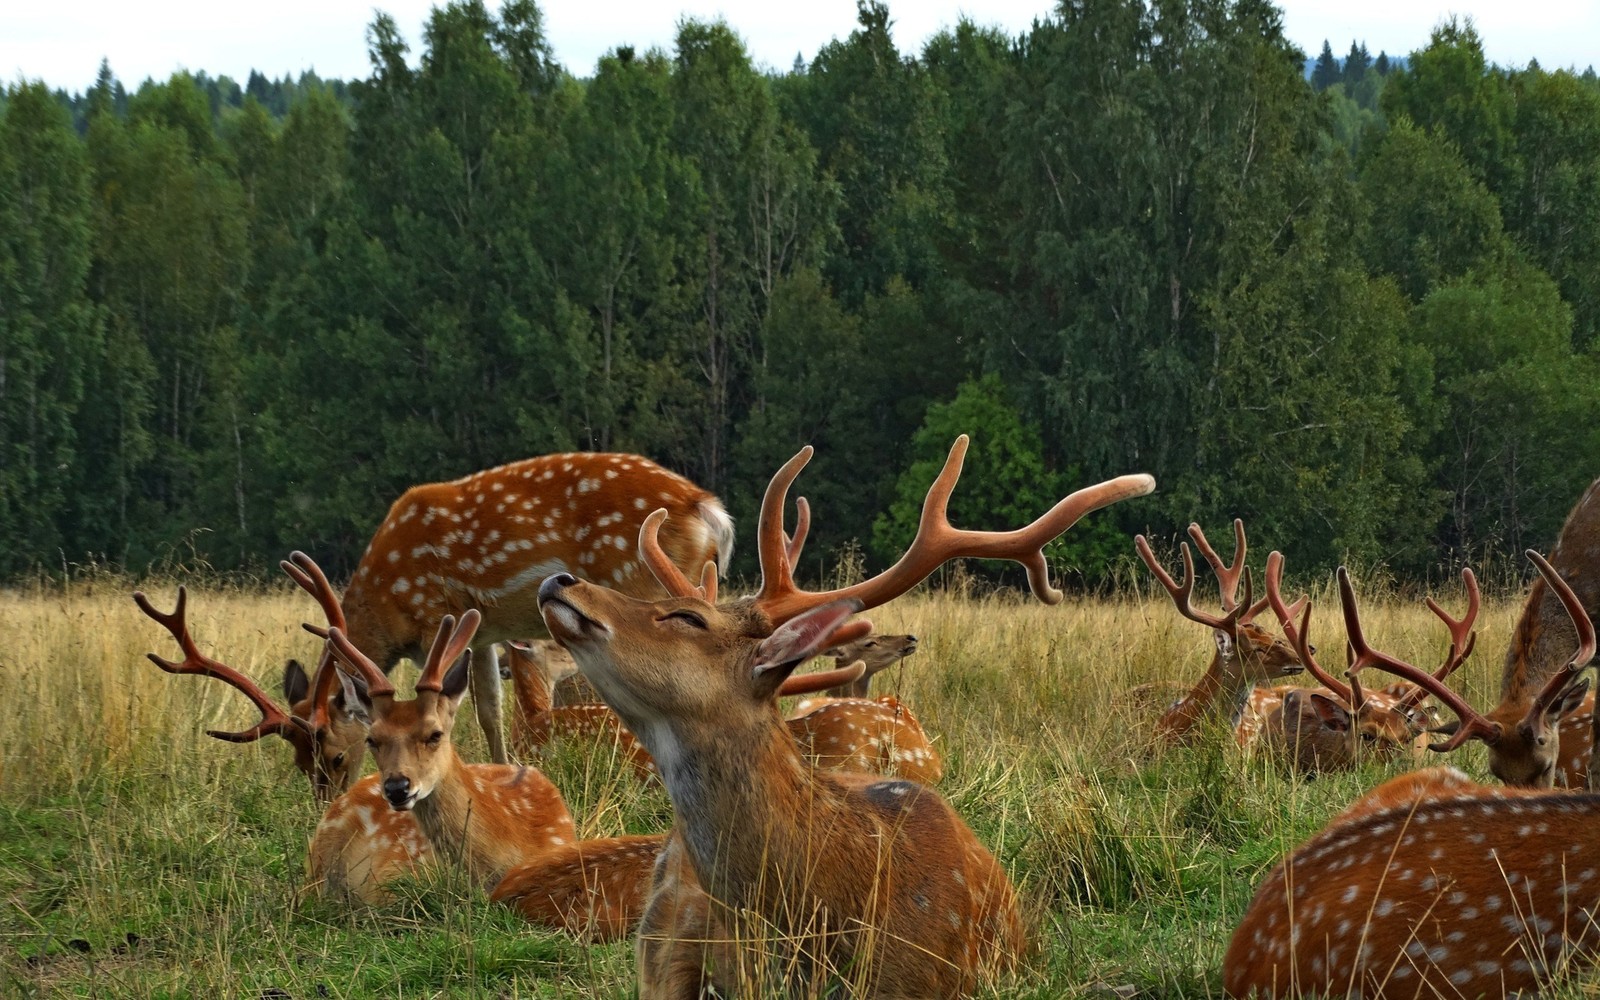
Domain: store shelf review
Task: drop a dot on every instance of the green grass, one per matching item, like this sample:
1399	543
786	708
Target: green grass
140	858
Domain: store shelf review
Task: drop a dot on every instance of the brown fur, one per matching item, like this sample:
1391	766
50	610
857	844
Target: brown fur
852	875
594	889
361	845
1223	692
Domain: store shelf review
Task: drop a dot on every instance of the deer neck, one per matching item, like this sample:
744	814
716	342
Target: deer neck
530	686
455	821
1218	691
743	801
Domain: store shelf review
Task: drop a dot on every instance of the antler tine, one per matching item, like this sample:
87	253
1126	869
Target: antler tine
708	581
273	718
303	570
378	685
822	679
1300	636
935	542
1563	678
1463	640
802	528
666	571
449	642
1473	725
1227	576
773	545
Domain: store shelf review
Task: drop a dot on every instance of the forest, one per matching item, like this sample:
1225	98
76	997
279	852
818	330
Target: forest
1359	310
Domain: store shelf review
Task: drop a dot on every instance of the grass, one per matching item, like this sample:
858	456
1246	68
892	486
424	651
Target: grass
140	858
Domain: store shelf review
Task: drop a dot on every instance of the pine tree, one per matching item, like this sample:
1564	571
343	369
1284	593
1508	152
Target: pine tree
1326	73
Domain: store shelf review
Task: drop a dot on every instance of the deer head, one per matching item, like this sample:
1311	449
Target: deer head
410	740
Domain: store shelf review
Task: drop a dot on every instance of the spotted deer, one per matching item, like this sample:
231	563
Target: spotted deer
1246	656
1443	891
1334	727
486	540
324	730
360	843
486	818
775	868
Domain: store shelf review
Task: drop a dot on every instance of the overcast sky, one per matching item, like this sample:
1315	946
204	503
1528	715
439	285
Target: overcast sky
64	45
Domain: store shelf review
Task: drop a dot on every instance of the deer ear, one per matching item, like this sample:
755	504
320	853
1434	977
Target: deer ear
1224	643
295	682
1333	715
794	642
353	698
454	683
1569	701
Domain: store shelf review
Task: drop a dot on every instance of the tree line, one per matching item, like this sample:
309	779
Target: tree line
1362	315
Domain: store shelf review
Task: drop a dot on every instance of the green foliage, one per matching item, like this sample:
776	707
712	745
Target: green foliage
241	318
1005	483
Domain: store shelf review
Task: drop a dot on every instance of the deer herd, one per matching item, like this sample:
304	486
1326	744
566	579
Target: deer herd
808	852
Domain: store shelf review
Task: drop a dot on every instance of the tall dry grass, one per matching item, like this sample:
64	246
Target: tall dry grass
139	857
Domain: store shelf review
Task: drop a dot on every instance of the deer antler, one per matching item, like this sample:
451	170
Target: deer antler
1462	638
303	570
273	718
1228	576
822	679
1300	636
1182	594
1473	724
449	643
1563	678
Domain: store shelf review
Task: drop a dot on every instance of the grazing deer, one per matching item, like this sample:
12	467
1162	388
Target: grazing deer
1448	891
485	817
1246	654
1333	727
487	540
878	881
325	731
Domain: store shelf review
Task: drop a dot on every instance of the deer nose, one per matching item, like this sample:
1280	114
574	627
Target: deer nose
552	585
397	791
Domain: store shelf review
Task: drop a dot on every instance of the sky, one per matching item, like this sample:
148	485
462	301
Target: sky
64	45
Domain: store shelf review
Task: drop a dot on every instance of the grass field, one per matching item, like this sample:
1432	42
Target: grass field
139	858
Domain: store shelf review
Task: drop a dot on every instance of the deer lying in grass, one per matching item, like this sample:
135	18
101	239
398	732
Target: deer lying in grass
1431	891
1333	727
876	883
851	734
1247	655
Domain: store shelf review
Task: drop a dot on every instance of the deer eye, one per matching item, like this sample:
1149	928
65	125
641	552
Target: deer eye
433	740
688	617
338	761
1369	737
372	744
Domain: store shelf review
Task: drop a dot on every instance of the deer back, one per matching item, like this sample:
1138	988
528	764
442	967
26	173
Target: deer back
487	541
1545	634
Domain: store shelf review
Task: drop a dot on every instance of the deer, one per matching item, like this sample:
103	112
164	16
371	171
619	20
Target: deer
1435	888
324	730
1246	656
851	734
360	843
1541	733
486	540
874	880
1333	727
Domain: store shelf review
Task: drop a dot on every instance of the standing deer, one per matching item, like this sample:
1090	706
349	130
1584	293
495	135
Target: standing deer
1246	655
1429	888
872	880
487	540
1333	727
1540	734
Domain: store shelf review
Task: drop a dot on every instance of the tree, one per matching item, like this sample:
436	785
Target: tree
1326	72
1356	64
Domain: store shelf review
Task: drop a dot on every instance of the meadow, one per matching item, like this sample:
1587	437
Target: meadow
140	858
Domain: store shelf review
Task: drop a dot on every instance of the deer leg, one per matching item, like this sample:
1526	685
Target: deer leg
485	674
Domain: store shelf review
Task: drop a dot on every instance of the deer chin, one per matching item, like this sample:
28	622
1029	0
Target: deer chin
569	625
